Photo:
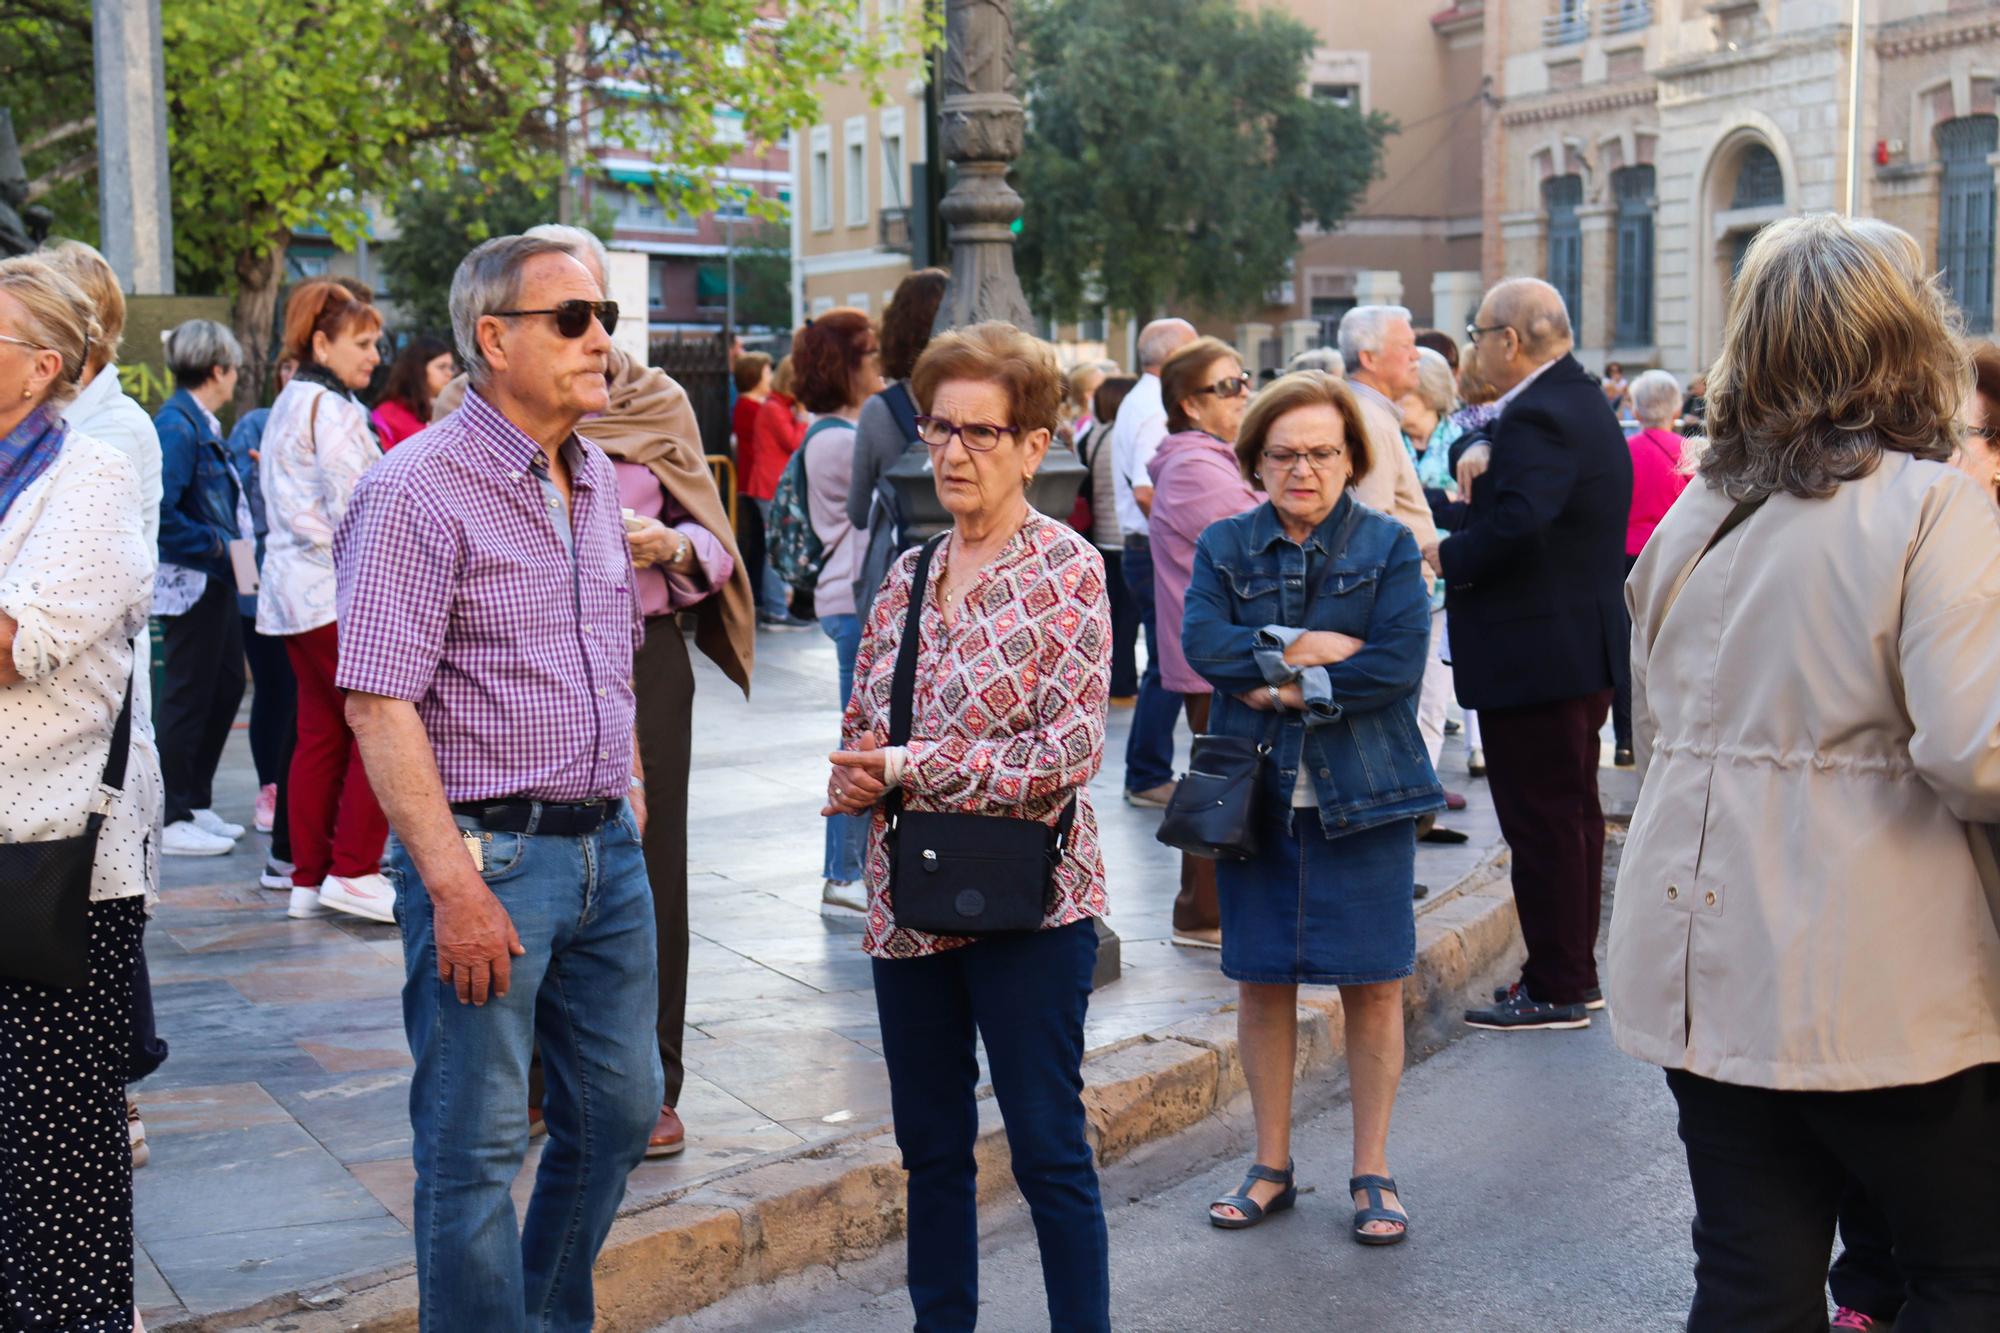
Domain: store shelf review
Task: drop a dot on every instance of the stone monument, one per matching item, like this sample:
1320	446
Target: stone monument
21	227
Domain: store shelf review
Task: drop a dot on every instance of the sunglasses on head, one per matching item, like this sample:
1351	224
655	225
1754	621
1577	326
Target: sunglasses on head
1233	387
573	317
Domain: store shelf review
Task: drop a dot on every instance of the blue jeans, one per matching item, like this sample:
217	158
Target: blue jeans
586	992
774	598
1025	995
846	835
1149	749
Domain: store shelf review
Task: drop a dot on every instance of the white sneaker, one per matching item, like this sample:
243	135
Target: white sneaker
277	874
184	838
366	896
210	822
844	895
305	905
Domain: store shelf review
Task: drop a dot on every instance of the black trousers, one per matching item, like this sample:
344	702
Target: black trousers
1124	627
274	724
1541	764
1865	1277
1769	1171
1621	695
665	683
199	696
750	544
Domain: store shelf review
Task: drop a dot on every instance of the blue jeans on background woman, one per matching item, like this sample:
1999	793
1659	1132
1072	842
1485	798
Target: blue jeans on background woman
846	835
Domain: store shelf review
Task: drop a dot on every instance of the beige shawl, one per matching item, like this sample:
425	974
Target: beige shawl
651	423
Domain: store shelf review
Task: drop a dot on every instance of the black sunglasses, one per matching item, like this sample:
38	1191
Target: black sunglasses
573	317
1233	387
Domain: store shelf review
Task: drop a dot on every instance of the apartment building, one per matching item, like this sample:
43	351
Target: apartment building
1639	145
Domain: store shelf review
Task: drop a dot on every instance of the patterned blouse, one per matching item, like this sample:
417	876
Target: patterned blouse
1008	717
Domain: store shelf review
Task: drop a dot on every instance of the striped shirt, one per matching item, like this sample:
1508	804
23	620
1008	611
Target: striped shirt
465	589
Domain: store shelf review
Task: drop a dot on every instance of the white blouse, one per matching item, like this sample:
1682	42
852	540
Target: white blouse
309	462
76	575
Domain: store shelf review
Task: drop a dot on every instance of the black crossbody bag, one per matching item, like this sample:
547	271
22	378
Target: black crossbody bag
45	888
1213	812
952	874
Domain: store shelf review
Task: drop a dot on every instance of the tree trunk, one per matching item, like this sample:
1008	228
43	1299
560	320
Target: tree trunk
260	271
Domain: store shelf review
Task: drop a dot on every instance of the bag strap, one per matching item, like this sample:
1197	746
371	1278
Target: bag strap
121	742
903	690
897	399
1729	524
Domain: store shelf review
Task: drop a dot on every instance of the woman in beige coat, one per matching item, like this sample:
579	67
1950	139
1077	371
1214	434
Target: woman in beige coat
1805	933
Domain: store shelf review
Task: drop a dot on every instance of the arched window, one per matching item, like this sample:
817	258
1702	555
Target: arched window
1965	215
1760	182
1560	197
1633	188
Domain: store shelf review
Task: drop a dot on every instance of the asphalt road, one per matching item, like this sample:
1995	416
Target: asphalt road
1544	1180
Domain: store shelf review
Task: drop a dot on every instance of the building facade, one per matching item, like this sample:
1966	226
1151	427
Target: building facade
1639	145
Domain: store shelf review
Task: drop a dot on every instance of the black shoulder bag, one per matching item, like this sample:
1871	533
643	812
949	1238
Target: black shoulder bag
45	888
952	874
1213	812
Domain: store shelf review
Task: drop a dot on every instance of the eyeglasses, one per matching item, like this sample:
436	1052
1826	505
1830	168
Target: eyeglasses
573	317
1233	387
1477	331
23	342
979	436
1988	433
1284	460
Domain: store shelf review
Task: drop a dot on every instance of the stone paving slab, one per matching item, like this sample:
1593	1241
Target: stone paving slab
280	1127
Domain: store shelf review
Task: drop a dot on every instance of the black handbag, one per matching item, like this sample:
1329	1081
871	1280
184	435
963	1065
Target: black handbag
45	889
955	874
1213	812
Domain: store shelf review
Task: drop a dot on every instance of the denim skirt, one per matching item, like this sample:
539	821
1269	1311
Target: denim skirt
1318	910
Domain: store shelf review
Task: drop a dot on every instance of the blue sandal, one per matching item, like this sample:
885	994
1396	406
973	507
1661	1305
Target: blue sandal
1375	1212
1254	1212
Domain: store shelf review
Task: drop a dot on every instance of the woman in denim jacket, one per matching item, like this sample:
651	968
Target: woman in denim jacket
1331	690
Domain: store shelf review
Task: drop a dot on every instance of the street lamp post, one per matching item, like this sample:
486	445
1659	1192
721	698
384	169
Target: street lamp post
981	133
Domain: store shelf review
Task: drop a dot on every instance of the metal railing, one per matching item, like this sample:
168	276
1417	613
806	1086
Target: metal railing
1568	25
1624	16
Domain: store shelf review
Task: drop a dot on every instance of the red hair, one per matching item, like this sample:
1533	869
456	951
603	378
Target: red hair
825	355
323	306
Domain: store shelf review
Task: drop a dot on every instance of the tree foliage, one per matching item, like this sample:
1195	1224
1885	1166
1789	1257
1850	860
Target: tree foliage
1173	154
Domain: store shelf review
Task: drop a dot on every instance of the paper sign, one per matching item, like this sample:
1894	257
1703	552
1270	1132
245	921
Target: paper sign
243	556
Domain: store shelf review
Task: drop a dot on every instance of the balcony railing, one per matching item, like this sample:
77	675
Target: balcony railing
1567	26
894	233
1624	16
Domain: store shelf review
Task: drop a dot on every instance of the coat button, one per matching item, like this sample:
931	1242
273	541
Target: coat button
1709	898
1325	773
1672	893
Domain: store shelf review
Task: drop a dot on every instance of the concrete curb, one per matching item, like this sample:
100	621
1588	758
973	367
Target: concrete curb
838	1203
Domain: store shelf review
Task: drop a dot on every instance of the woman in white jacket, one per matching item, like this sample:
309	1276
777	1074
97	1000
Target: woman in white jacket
76	579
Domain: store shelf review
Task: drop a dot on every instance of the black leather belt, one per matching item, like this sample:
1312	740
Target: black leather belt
1137	541
563	819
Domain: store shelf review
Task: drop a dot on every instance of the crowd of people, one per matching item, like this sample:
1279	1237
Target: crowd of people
465	610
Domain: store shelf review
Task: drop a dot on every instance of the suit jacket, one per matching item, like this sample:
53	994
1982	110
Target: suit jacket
1535	578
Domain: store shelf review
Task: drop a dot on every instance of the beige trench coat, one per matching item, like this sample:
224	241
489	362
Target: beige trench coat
1806	901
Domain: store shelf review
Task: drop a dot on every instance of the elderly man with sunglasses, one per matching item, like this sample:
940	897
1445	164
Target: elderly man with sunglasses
489	622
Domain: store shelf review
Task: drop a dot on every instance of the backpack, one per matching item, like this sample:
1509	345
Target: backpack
795	550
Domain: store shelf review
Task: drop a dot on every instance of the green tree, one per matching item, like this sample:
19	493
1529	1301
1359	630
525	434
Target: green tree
285	115
1173	153
764	277
441	218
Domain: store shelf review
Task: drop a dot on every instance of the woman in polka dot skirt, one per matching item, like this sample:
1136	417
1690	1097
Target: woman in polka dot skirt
76	579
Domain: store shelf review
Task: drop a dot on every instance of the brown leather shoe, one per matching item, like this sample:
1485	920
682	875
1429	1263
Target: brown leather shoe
669	1136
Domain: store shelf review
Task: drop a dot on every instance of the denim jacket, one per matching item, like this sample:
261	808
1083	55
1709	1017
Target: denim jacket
1358	735
198	489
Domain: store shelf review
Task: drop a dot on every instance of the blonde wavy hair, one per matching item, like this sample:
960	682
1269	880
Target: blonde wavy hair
56	317
1838	347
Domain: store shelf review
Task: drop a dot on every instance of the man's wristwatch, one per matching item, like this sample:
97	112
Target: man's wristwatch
1276	700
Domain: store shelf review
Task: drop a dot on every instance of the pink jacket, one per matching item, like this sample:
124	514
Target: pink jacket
1657	482
1195	482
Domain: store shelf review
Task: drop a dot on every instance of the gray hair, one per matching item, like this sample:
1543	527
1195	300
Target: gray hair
1436	385
1161	339
1363	328
1656	398
1326	360
586	246
198	348
489	280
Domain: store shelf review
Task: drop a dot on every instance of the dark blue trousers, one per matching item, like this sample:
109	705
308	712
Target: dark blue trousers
1149	750
1025	997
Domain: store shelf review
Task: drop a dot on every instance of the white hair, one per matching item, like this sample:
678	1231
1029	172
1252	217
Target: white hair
487	281
584	245
1363	328
1161	339
1436	385
1326	360
1656	397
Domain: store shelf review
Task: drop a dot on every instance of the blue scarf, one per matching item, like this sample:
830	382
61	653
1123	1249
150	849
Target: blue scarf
27	451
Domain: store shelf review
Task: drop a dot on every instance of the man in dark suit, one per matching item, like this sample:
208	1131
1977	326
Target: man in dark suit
1538	640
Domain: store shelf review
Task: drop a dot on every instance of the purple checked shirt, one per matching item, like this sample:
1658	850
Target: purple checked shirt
459	592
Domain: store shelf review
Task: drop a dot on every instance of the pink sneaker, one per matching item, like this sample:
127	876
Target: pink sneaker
267	807
1854	1319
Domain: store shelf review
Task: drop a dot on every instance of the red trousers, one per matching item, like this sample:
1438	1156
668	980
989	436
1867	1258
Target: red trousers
337	828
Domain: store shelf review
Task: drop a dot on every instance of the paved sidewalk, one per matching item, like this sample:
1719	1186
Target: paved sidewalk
279	1125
